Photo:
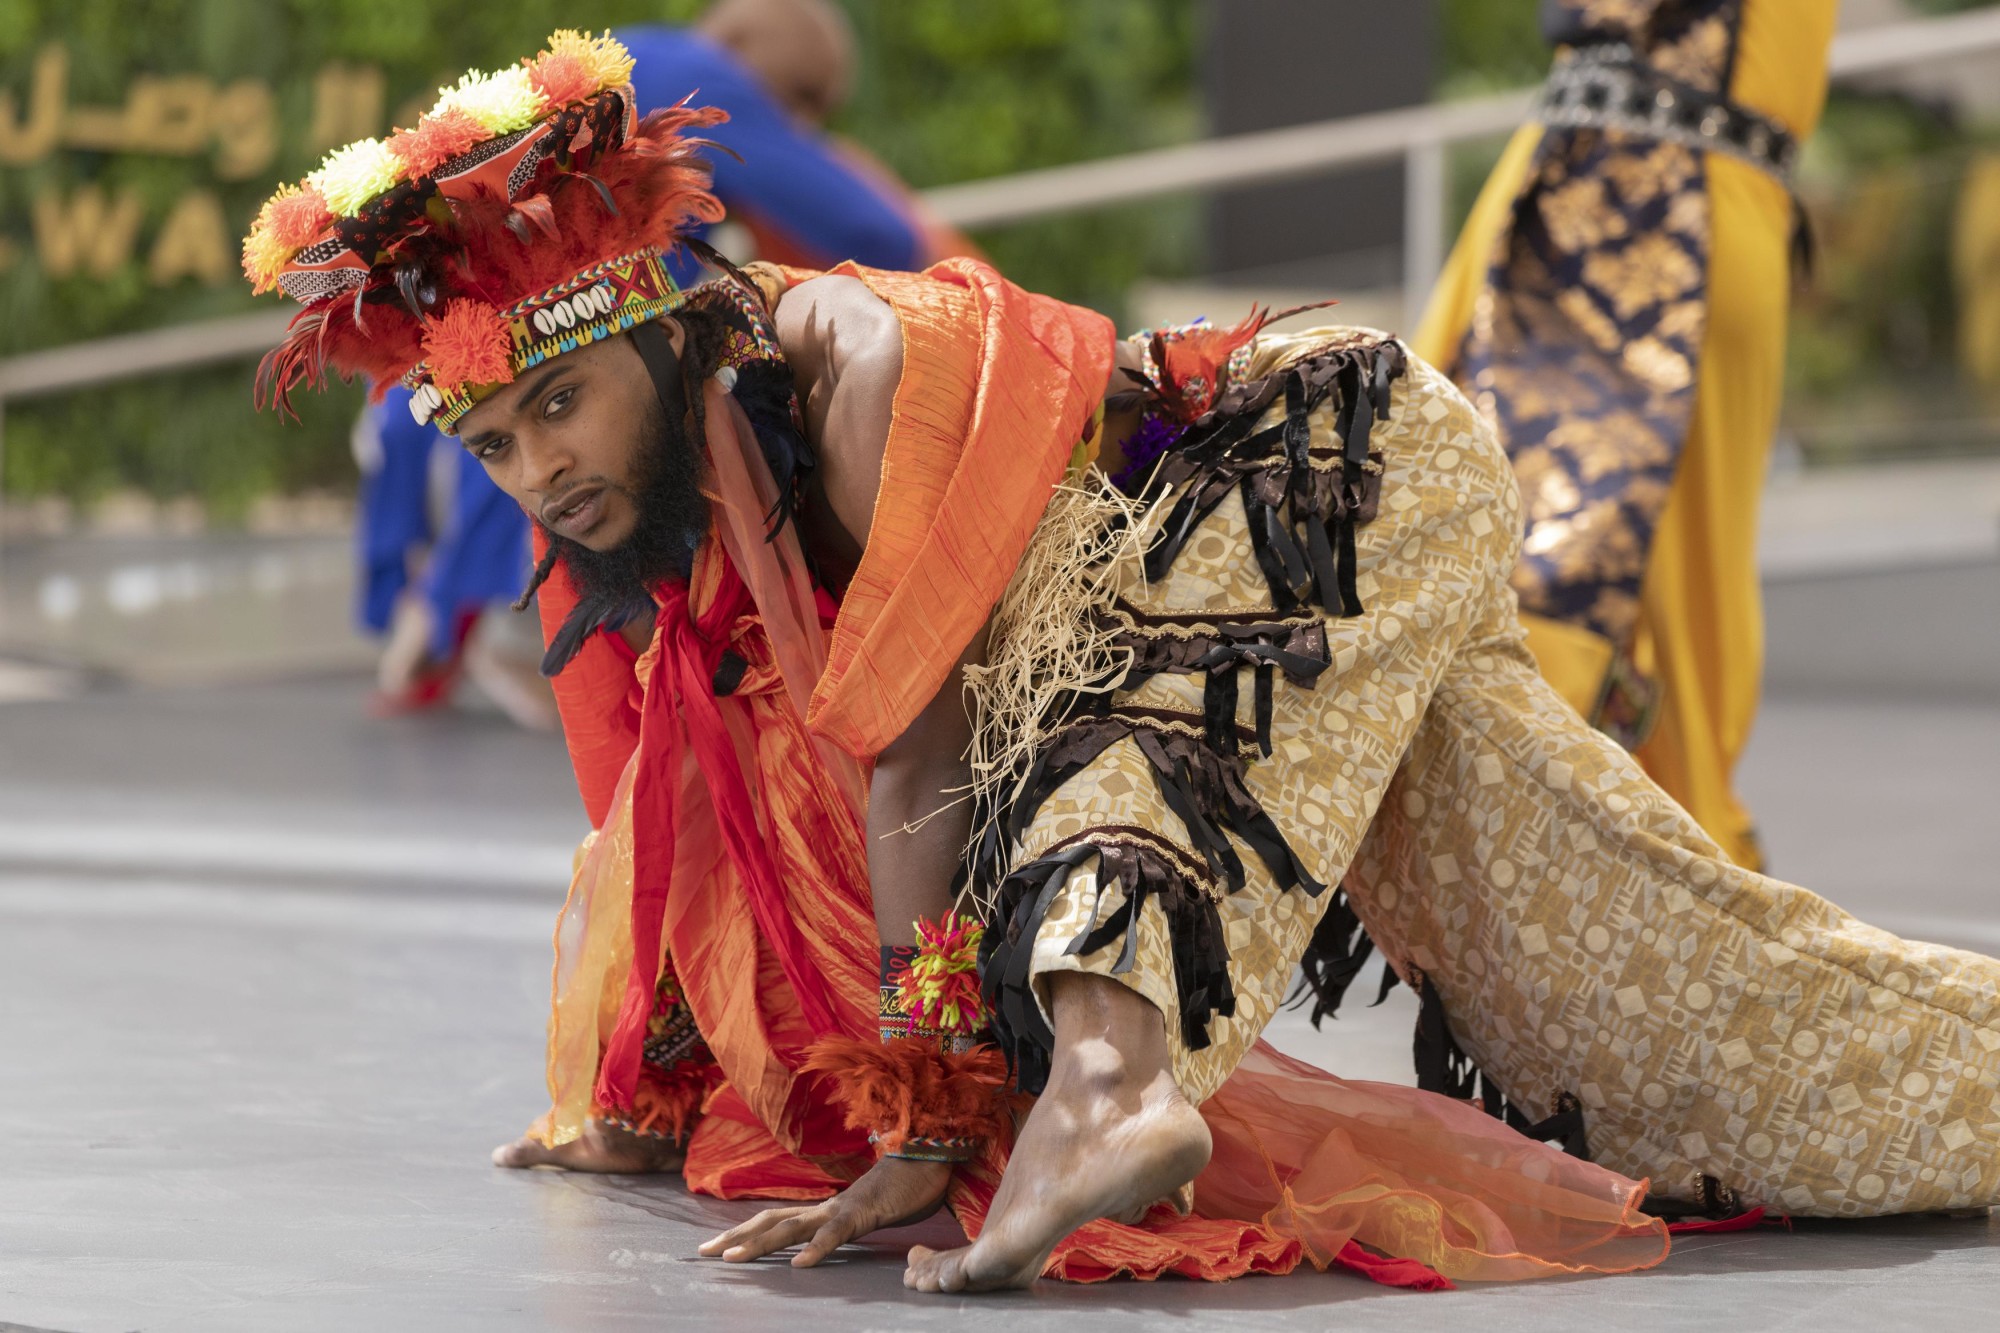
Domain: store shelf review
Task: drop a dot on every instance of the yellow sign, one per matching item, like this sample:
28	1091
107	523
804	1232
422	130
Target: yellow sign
235	125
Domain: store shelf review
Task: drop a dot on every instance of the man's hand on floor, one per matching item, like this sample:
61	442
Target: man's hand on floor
894	1192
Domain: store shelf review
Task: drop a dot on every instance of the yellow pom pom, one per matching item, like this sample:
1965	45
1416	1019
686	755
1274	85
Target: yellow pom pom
353	175
503	102
605	57
263	260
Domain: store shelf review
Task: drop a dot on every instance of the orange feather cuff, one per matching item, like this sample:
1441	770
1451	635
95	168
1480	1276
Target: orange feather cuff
899	1091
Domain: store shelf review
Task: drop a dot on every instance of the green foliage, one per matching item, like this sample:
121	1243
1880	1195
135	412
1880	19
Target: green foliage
196	433
1490	44
950	90
192	434
1871	354
1485	46
285	43
956	90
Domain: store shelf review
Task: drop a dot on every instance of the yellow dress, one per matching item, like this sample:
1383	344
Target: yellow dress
1699	628
1975	256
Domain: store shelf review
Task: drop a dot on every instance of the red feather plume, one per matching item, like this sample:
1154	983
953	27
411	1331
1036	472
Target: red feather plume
1193	362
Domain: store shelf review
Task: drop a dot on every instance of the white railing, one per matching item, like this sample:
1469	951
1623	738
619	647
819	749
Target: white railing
1418	134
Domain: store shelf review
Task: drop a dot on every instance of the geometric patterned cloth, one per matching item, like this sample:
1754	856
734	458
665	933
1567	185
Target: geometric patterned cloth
1583	934
1582	347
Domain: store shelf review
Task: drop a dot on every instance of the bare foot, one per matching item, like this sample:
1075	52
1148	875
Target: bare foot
1110	1137
892	1193
603	1148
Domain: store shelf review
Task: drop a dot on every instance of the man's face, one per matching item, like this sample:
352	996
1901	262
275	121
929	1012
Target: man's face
568	441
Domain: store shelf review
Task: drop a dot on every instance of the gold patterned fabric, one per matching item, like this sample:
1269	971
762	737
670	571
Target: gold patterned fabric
1586	939
1582	348
1438	543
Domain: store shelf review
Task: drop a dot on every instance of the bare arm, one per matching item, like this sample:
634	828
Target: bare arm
846	351
917	776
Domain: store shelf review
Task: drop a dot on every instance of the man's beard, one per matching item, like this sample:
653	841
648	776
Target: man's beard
672	519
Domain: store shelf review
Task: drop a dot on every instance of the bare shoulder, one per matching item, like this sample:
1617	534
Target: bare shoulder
845	347
834	320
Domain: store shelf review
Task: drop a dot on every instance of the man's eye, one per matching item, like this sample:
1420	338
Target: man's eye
558	400
491	449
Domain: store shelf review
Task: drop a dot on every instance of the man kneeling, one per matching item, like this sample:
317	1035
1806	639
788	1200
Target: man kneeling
1201	626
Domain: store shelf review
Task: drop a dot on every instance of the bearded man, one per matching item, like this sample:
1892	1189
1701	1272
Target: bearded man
1202	625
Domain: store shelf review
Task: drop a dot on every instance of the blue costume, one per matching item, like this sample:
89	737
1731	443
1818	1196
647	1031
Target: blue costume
786	179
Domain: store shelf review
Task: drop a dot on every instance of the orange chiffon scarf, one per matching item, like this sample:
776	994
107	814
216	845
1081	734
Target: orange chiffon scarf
998	386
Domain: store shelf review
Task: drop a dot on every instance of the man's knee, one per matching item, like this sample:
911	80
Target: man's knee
1450	449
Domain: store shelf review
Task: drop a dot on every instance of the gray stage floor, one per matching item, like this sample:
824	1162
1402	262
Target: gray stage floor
272	983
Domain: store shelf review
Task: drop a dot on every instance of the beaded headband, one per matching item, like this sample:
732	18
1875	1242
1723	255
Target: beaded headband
602	301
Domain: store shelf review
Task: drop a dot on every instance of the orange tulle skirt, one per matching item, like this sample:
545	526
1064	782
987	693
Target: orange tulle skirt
1312	1168
1404	1187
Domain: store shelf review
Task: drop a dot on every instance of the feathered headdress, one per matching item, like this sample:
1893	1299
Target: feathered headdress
524	216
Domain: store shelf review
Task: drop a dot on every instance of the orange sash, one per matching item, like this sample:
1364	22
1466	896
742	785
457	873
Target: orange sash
998	386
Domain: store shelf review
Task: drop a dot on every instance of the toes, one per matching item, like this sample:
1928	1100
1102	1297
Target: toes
520	1154
917	1269
934	1270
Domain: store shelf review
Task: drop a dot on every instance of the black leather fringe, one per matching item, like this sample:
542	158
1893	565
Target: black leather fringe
1339	948
1221	649
1143	873
1445	1069
1302	520
1205	788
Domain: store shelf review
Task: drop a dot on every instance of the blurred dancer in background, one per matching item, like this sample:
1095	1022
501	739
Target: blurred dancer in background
439	545
1616	308
1975	262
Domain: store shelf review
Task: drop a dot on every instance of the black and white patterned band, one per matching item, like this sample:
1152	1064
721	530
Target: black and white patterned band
1607	87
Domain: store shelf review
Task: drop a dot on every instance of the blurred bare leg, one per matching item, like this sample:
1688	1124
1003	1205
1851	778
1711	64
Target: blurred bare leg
605	1149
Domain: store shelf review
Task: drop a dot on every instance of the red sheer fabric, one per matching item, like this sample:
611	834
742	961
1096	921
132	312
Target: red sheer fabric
730	840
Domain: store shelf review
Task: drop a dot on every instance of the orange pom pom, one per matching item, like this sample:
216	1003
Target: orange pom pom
298	219
939	988
436	140
468	344
575	67
563	77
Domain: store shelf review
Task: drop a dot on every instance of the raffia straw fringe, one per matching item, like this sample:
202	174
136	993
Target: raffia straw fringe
1050	638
